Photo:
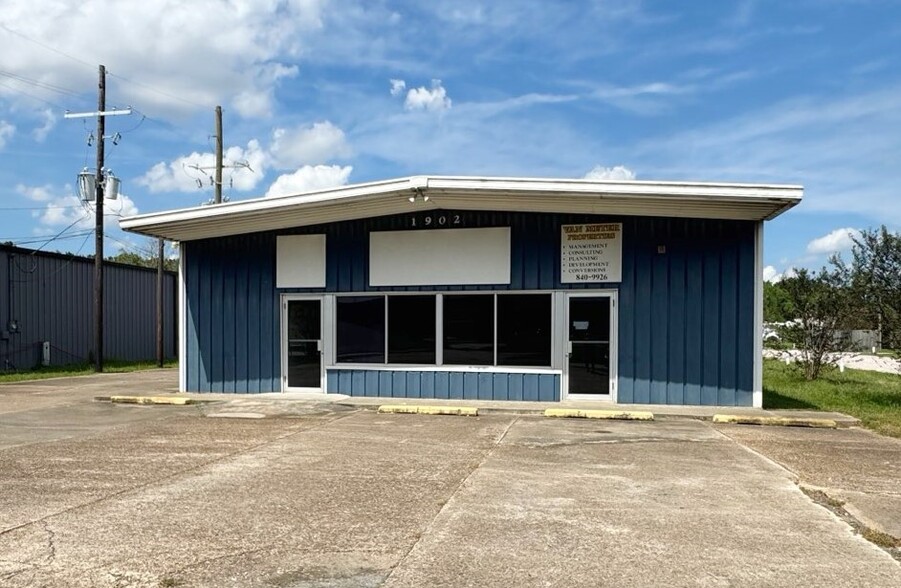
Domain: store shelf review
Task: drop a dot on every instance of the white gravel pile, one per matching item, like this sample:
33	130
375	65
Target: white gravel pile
857	361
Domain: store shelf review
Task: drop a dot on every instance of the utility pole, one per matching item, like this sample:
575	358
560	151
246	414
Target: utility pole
218	198
98	227
99	179
159	304
216	179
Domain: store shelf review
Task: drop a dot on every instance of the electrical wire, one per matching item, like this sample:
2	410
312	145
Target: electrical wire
49	206
39	83
72	257
32	96
31	241
157	90
47	47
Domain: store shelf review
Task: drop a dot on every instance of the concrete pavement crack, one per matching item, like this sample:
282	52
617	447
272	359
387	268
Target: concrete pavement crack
51	542
460	486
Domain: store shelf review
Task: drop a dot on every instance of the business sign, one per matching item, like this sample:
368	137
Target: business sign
591	253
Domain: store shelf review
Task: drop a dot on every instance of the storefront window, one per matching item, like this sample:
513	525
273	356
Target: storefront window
520	334
411	329
524	329
469	329
360	325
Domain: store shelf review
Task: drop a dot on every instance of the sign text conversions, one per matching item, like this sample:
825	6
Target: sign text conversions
591	253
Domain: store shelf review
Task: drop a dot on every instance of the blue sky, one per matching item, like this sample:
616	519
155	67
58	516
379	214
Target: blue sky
319	93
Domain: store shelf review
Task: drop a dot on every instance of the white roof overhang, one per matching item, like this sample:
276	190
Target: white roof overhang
628	198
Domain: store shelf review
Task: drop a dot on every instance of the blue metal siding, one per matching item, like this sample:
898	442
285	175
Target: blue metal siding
435	384
686	325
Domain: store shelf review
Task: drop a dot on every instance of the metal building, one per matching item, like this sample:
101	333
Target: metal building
483	288
46	310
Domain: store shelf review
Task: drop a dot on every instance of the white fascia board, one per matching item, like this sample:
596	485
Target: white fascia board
681	199
697	190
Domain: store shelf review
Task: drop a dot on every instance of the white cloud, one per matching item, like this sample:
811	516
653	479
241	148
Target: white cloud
64	208
771	274
837	240
6	132
204	52
305	145
40	133
182	174
397	87
432	99
309	178
36	193
258	100
619	172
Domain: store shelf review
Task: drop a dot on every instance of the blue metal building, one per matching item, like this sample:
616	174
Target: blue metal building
479	288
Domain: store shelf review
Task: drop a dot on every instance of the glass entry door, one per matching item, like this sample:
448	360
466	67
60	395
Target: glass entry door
303	365
588	345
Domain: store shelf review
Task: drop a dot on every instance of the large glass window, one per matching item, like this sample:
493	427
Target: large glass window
469	329
411	329
524	329
360	325
401	329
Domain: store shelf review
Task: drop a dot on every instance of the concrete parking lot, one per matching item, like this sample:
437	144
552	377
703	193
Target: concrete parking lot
319	494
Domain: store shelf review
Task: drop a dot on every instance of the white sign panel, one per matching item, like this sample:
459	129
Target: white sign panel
440	257
300	261
591	253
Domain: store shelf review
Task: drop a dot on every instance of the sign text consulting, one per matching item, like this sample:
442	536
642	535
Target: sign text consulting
591	252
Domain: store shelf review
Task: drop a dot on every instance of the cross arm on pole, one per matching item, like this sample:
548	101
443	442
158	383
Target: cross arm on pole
115	112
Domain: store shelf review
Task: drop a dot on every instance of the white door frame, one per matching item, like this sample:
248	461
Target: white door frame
614	345
283	337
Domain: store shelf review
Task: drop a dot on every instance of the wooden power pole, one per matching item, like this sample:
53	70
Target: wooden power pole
218	181
99	179
98	227
160	353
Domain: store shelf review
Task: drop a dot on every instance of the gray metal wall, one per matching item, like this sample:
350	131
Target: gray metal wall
50	297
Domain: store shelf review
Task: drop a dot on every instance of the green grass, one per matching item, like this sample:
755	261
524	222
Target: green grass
872	397
79	369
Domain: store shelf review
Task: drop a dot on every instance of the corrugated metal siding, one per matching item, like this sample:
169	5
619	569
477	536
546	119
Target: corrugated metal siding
446	385
232	315
51	298
685	316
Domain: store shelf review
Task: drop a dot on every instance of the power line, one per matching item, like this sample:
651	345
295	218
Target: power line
157	90
72	257
47	47
30	241
32	96
39	83
49	206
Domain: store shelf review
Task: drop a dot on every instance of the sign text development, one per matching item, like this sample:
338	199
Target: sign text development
591	253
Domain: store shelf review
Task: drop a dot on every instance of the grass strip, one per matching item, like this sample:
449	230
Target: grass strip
872	397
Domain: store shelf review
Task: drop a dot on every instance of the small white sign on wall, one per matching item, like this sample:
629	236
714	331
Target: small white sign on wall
300	261
591	253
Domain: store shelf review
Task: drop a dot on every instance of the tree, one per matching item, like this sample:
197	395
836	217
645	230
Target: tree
822	303
145	256
777	308
876	268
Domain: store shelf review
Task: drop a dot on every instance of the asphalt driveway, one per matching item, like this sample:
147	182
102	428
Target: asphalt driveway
324	495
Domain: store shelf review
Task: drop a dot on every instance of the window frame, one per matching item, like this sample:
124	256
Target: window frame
439	330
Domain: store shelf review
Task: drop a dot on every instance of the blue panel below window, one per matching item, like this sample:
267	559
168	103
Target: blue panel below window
440	384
